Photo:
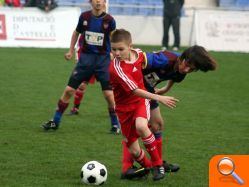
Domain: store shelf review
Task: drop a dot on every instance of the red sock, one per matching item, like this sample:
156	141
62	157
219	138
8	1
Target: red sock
127	160
159	147
61	106
151	147
78	96
158	137
143	160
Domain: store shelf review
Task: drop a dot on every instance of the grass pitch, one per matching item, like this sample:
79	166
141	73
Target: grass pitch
211	118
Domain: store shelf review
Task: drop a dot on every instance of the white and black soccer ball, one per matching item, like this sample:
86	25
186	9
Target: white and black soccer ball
93	173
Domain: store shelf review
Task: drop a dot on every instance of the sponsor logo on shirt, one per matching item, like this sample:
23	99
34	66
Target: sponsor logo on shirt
105	25
94	38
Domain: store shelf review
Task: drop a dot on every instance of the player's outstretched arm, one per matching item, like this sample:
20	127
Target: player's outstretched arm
165	100
74	39
164	89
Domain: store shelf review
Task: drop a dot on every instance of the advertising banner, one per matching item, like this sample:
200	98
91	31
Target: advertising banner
221	30
32	27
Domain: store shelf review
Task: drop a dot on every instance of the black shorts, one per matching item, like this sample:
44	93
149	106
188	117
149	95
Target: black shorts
89	65
153	103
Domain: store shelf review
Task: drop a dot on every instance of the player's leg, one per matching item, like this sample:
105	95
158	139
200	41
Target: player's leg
166	25
61	107
129	171
79	74
150	144
138	154
176	31
103	76
78	97
109	97
157	123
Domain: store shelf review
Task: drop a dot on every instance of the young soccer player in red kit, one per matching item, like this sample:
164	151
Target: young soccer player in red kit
132	102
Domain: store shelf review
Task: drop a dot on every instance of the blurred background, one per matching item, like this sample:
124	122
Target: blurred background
219	25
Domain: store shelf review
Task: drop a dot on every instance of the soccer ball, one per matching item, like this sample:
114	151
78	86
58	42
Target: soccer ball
93	173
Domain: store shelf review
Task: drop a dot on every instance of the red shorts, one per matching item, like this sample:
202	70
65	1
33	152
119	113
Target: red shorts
127	120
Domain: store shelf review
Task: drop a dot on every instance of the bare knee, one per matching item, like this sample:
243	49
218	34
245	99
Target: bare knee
67	94
82	87
157	125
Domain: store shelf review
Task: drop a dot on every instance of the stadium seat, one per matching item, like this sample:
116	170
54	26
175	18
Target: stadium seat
119	7
227	3
242	3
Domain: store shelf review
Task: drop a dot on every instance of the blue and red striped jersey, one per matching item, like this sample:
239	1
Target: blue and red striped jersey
96	32
161	66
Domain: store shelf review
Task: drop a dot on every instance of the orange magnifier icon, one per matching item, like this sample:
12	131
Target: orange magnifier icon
226	167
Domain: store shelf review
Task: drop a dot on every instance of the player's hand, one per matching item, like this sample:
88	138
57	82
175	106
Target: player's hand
68	55
168	101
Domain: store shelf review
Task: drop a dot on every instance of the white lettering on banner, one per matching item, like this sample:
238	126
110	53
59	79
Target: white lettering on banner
45	30
222	30
94	38
31	27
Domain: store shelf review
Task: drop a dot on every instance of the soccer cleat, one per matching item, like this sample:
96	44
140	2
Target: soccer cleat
170	167
50	125
73	111
164	48
115	130
135	173
158	173
175	48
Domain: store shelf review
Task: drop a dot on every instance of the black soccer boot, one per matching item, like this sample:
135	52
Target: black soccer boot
170	167
135	173
50	125
74	111
158	173
115	130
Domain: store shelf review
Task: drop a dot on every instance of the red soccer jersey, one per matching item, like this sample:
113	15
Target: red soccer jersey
126	76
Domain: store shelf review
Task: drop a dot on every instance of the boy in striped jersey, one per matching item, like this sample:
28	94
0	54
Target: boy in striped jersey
95	26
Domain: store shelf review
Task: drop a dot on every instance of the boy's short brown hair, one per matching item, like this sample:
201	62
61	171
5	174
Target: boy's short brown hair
121	35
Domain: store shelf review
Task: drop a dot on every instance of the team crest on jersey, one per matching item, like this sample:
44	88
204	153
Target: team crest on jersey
105	25
84	23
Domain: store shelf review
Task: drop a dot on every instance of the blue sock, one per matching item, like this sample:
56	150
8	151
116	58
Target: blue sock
113	117
57	117
114	120
158	135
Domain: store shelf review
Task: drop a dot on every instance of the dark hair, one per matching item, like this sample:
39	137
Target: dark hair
121	35
199	58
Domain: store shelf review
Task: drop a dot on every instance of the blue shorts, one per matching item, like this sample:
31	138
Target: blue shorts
89	65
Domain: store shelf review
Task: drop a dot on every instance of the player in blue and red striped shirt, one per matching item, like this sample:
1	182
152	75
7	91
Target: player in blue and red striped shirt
95	26
171	67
